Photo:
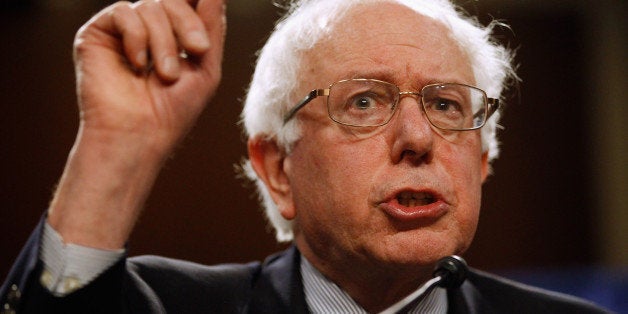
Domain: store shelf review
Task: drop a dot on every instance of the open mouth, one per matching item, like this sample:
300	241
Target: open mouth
413	199
414	205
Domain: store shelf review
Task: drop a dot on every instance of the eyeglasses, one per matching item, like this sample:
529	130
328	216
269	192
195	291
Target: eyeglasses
369	103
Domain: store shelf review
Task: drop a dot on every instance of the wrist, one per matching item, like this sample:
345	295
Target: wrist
103	188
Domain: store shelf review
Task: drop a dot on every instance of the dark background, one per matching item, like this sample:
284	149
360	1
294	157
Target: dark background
540	208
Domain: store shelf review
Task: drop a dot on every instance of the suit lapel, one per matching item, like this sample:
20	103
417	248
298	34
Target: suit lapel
279	288
467	299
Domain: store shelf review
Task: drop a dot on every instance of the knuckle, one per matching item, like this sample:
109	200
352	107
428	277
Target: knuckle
151	4
120	6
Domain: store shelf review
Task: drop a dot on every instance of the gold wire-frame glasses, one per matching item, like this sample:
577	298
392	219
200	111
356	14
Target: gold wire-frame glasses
371	102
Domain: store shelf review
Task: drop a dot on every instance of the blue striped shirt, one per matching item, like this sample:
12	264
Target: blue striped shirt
324	296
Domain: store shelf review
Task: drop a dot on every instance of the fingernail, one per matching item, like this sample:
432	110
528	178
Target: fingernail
171	66
140	58
199	39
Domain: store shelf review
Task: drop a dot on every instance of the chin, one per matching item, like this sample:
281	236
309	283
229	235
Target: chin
420	251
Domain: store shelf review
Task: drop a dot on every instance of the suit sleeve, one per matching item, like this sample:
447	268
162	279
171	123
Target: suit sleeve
22	291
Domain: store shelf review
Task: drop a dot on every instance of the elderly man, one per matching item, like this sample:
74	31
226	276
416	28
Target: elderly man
375	175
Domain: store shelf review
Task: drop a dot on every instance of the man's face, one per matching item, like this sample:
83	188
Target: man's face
400	195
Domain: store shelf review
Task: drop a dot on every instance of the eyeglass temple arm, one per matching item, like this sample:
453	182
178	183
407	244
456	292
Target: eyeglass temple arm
310	96
493	106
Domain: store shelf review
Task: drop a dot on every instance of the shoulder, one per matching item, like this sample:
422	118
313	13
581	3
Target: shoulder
502	295
172	273
177	284
156	284
179	270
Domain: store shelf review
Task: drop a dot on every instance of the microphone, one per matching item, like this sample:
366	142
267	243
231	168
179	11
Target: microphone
450	272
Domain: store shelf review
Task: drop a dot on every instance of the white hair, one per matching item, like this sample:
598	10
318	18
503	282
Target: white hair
276	77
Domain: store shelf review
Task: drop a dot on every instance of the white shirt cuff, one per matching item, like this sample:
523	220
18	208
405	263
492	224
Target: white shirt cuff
68	267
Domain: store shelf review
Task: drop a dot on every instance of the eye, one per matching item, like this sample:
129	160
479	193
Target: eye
445	105
362	102
365	101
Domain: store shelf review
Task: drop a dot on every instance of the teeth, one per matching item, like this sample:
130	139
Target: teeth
411	199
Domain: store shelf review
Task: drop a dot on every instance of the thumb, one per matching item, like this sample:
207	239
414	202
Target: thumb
213	15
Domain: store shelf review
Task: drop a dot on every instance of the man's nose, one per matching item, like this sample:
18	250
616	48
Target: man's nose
413	134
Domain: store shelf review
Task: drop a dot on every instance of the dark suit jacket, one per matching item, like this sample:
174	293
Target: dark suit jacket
151	284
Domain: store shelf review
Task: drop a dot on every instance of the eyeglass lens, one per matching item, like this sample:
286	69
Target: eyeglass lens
363	102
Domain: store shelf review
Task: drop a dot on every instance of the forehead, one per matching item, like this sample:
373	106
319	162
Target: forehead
391	42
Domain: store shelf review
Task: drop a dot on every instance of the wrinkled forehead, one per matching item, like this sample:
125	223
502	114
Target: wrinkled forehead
388	41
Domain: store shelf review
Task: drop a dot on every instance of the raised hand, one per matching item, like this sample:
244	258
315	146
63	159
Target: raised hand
145	71
131	77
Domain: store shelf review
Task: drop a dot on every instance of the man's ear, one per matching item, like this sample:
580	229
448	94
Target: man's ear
486	167
267	159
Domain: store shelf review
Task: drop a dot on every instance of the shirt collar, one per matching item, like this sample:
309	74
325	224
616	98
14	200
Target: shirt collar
324	296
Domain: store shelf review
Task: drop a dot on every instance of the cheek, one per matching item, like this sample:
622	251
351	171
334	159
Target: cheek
464	166
331	182
463	159
335	164
330	177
